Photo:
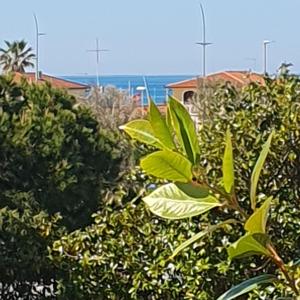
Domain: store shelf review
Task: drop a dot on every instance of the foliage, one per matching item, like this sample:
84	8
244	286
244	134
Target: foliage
55	166
53	148
129	250
172	205
25	233
17	57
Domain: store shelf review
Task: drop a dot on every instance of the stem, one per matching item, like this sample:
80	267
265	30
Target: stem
232	200
280	264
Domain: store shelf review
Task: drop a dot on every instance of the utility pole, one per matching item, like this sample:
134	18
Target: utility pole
37	35
265	44
204	44
97	51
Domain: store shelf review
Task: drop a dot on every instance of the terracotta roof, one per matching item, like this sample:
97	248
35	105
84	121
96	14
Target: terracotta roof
55	82
239	78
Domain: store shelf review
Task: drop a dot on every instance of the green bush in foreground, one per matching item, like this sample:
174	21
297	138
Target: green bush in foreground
55	164
133	265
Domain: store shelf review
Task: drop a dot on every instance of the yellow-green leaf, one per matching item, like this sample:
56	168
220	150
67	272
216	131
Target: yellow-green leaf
168	165
228	171
249	244
258	220
169	202
184	128
257	169
159	126
141	130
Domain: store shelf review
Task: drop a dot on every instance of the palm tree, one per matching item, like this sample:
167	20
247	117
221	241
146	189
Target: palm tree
16	57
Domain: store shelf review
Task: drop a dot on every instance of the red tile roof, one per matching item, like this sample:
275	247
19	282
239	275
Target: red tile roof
239	78
55	82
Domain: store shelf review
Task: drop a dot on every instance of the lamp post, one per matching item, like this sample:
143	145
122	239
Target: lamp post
204	44
37	35
265	44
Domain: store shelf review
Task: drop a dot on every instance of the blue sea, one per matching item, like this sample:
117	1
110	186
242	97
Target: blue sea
156	83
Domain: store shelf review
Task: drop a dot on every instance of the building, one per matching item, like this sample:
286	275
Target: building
185	90
76	89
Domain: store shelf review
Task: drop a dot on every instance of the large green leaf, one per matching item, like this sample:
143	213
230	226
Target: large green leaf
199	236
228	172
249	244
257	169
185	129
258	220
247	286
168	165
169	202
160	128
141	130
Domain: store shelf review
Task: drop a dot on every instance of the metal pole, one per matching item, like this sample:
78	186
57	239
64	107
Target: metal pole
204	44
37	48
204	41
265	57
38	34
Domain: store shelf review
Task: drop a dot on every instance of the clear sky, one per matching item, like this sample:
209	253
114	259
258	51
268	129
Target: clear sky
155	36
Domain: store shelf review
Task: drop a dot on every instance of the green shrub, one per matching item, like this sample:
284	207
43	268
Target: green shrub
52	147
121	270
55	164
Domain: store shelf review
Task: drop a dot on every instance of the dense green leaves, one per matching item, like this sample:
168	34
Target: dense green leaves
247	286
258	220
249	244
185	129
168	165
198	236
142	131
228	171
169	202
159	127
257	169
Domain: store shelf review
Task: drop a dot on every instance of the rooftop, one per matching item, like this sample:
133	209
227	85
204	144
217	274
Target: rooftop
239	78
54	81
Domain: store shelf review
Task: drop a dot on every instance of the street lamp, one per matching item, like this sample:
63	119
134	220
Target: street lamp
141	89
204	44
37	35
265	44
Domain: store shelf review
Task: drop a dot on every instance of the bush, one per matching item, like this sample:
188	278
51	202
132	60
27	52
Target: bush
53	148
55	165
132	247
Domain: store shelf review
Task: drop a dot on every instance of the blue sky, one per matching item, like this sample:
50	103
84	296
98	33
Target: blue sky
157	36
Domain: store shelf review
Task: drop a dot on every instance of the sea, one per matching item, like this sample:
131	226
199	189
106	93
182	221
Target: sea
134	84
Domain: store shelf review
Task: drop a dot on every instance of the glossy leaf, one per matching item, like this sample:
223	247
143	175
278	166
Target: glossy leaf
257	169
141	130
168	165
185	129
249	244
159	127
247	286
199	236
193	190
169	202
258	220
228	171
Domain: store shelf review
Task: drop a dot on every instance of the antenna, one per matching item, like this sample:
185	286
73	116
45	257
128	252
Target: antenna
97	51
204	44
